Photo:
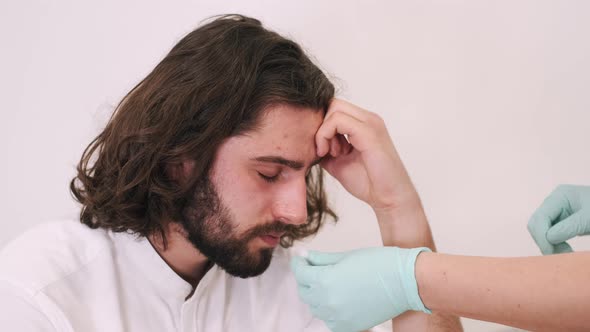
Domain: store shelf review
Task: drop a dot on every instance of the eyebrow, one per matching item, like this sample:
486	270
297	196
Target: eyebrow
294	164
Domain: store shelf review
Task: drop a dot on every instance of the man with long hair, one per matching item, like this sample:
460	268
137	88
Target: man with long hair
205	174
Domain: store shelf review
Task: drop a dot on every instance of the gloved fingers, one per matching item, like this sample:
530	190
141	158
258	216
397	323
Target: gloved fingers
324	258
563	248
542	220
321	312
305	274
325	314
307	295
538	227
552	207
572	226
317	308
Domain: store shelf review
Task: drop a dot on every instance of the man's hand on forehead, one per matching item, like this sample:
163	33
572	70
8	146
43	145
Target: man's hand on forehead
365	162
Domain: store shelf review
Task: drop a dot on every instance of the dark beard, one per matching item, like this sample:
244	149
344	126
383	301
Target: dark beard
210	228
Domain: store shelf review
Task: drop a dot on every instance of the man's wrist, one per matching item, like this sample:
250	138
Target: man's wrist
405	226
409	211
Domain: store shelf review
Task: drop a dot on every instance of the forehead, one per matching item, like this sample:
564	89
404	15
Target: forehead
288	122
282	130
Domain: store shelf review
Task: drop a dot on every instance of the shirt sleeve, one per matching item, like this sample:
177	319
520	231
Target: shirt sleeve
19	312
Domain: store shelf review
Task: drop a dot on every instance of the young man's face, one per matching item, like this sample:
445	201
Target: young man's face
255	191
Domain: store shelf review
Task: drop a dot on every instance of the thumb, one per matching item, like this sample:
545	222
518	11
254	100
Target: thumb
562	248
317	258
304	273
574	225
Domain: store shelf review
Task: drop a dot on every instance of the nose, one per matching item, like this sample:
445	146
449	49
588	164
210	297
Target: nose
290	205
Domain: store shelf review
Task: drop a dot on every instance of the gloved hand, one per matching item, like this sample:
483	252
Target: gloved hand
359	289
562	216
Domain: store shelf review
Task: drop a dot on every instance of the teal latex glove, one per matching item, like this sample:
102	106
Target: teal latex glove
562	216
356	290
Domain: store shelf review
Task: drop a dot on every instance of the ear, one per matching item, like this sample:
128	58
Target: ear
180	171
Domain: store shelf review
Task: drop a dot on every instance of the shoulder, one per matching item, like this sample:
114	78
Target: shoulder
50	252
21	312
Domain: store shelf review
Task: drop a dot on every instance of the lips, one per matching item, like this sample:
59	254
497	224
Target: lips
272	239
276	234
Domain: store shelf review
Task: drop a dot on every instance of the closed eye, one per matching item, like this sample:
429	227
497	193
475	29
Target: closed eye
269	179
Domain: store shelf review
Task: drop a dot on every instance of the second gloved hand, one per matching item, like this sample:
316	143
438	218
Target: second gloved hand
563	215
356	290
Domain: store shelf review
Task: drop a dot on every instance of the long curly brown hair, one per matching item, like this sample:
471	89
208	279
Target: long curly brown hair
215	83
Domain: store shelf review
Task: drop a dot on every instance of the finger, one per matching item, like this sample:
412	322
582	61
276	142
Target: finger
341	105
306	294
572	226
315	300
317	258
335	147
538	227
324	313
341	123
305	274
563	248
542	220
339	146
345	146
338	167
329	130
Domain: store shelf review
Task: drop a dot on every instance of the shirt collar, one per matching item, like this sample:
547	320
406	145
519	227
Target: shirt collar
139	253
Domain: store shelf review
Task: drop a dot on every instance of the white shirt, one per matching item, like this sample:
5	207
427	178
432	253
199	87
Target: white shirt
67	277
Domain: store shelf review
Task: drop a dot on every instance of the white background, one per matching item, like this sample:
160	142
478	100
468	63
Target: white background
487	101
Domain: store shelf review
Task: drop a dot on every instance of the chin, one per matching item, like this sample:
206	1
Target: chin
254	265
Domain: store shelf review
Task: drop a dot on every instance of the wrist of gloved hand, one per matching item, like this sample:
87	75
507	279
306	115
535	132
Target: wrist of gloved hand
407	276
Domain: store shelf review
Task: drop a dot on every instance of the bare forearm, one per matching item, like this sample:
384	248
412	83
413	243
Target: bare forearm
535	293
409	229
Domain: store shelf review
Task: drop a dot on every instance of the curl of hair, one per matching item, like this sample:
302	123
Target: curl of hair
215	83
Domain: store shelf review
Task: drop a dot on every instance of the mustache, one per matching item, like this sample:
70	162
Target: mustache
273	227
